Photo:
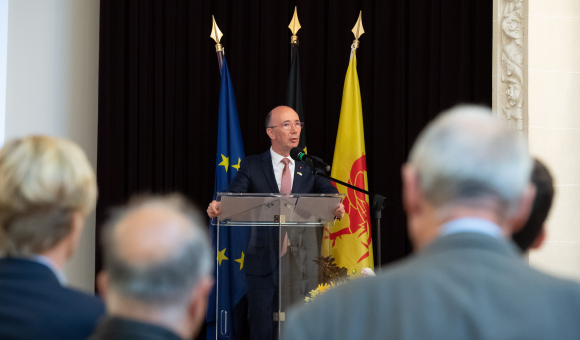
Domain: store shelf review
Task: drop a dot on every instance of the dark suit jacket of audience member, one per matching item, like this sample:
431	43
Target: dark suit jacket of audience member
256	175
462	286
34	305
116	328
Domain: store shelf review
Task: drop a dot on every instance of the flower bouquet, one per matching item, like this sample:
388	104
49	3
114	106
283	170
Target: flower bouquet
332	276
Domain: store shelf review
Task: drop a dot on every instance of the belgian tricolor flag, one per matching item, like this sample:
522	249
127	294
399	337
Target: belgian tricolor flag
294	91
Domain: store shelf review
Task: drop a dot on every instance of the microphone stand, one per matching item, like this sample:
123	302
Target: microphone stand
377	205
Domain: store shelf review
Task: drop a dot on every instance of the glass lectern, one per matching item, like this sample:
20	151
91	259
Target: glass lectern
280	236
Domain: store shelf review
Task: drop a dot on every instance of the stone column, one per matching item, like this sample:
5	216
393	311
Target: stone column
509	56
550	94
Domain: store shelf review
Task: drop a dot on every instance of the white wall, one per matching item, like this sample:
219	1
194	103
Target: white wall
52	83
551	104
3	59
554	125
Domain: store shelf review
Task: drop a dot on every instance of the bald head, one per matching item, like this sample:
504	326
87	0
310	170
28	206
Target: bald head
156	250
278	110
151	233
284	128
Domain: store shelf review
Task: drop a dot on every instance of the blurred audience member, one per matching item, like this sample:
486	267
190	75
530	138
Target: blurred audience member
47	189
466	190
532	235
157	271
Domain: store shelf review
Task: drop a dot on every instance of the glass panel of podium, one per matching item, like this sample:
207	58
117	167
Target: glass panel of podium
274	240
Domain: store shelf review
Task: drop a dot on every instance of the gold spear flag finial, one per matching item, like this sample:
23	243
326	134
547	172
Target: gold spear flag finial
216	35
294	26
358	30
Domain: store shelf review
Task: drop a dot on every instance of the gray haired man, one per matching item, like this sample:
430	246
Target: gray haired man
157	271
466	190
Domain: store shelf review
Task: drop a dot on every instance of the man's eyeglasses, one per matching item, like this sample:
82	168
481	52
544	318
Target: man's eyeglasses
288	126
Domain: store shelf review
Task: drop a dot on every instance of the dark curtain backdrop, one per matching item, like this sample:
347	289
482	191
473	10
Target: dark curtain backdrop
159	85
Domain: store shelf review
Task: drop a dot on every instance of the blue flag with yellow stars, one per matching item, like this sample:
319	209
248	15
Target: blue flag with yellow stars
230	280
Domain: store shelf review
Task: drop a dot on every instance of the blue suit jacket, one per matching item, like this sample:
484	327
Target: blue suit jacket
118	328
256	175
34	305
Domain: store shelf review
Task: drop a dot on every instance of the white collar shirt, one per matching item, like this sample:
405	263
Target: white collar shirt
51	265
471	225
279	167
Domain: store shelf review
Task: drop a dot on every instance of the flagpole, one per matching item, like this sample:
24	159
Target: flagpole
230	284
294	27
357	30
294	88
378	201
216	35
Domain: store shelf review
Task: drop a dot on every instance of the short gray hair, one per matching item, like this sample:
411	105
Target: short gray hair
268	119
165	282
465	154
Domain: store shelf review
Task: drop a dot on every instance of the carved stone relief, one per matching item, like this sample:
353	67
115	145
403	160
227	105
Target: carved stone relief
512	63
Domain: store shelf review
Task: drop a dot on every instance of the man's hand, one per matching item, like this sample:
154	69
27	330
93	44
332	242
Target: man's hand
214	209
339	211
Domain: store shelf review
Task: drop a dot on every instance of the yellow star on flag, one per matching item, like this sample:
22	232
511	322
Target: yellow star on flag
222	256
237	166
241	261
225	162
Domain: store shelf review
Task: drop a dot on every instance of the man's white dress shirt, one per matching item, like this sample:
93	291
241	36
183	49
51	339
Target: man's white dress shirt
279	167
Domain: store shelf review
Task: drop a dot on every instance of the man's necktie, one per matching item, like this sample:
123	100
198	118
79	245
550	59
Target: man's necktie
285	188
286	182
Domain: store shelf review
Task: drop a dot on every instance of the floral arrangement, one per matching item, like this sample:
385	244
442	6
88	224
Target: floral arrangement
331	272
332	276
323	287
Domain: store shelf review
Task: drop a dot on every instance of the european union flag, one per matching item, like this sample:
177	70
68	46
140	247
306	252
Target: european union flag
231	279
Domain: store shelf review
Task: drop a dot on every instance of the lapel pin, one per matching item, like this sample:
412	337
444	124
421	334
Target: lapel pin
299	173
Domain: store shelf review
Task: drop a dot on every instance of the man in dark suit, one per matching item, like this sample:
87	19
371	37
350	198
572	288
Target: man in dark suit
466	190
157	271
263	173
47	188
272	172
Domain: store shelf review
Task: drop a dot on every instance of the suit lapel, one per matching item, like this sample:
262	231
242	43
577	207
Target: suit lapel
299	169
269	172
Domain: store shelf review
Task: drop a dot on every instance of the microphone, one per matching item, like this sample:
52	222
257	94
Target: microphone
298	155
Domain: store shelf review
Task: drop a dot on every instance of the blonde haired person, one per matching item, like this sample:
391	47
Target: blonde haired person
47	189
